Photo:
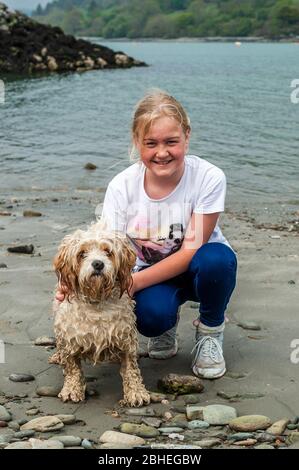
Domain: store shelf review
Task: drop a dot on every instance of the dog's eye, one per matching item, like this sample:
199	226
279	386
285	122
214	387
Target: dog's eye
109	253
82	254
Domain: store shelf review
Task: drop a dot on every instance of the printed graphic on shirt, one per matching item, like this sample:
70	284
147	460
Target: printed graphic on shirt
157	247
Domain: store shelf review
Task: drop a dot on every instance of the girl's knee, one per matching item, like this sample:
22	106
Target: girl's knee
214	259
154	320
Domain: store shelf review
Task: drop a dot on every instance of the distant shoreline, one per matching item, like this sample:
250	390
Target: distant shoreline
199	39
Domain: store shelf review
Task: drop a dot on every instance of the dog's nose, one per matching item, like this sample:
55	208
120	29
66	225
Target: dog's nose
97	265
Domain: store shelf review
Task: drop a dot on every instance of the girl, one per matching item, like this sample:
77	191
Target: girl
168	204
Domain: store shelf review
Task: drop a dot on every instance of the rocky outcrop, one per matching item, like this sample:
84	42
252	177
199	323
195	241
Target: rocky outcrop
28	47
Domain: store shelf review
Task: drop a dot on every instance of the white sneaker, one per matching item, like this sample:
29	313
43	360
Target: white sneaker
208	361
164	346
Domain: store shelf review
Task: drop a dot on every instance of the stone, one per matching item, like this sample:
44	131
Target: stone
198	424
44	424
24	434
264	446
19	445
240	436
246	443
278	427
29	213
45	444
86	444
250	423
154	422
192	399
194	412
157	397
3	265
170	430
32	412
21	377
114	437
265	437
218	414
3	424
180	384
174	446
45	341
14	425
249	325
143	411
48	391
110	445
293	437
68	441
4	414
208	443
140	430
25	249
67	419
90	166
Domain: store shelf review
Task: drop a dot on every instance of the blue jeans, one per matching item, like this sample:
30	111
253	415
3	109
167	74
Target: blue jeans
210	279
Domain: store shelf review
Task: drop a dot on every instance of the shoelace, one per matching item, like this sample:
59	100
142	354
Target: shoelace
210	348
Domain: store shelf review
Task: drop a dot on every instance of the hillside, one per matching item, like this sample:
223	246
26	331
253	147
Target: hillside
173	18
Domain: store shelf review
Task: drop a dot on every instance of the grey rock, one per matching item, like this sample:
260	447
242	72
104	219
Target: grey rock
144	411
43	424
48	391
68	441
170	430
32	412
192	399
250	423
4	414
3	265
174	446
114	437
45	341
249	325
19	445
264	446
25	249
198	424
140	430
67	419
86	444
240	436
14	425
149	421
24	434
208	443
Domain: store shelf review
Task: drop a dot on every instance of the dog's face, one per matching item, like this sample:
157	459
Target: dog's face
91	264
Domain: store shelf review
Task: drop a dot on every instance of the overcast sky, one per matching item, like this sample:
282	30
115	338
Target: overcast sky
25	4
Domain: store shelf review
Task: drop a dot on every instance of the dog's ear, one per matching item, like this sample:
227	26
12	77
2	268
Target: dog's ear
127	262
66	264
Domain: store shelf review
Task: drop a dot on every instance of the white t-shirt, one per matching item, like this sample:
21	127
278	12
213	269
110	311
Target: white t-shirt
156	227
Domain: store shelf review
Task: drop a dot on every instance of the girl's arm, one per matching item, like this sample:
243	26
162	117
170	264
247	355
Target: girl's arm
198	233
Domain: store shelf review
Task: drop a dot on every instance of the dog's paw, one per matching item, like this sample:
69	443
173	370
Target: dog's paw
136	399
54	359
72	395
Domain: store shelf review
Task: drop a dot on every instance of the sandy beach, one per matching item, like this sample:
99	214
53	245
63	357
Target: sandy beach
266	294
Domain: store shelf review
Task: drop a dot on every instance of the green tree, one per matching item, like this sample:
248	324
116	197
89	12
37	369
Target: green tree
73	22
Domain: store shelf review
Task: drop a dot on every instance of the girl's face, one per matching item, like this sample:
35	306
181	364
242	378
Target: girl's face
162	149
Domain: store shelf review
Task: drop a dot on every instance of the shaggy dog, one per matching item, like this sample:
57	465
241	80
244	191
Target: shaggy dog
96	321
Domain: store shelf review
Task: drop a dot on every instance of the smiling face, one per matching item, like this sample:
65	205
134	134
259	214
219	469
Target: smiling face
163	147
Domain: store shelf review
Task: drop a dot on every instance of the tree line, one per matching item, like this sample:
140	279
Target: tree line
173	18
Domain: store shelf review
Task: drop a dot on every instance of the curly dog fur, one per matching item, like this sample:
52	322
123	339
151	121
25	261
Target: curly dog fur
96	321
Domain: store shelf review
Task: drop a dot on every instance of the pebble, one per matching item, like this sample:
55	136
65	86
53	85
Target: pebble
180	384
4	414
177	436
25	249
68	441
198	424
19	445
208	443
250	423
246	443
140	430
240	436
275	237
21	377
144	411
3	265
45	341
3	424
293	437
249	325
67	419
174	446
170	430
154	422
30	213
24	434
90	166
32	412
212	414
48	391
43	424
292	427
194	412
119	445
192	399
278	427
114	437
86	444
157	397
264	446
265	437
14	425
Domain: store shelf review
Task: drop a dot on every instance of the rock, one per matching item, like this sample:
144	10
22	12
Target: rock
292	427
218	414
208	443
198	424
3	424
170	430
90	166
293	437
21	377
86	444
249	325
157	397
194	412
68	441
140	430
250	423
291	282
264	446
3	265
19	445
24	434
32	412
240	436
25	249
67	419
45	341
176	436
174	446
5	213
4	414
110	445
114	437
192	399
30	213
246	443
143	411
43	424
14	425
45	444
52	64
48	391
278	427
154	422
180	384
265	437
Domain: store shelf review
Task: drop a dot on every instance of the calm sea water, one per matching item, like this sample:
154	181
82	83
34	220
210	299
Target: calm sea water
238	99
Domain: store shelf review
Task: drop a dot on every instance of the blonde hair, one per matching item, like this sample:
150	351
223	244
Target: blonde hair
154	105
